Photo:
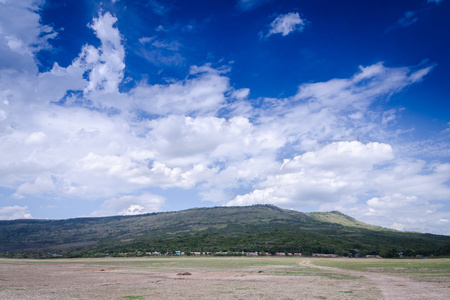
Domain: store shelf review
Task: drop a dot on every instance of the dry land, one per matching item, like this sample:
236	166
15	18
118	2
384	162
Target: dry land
225	278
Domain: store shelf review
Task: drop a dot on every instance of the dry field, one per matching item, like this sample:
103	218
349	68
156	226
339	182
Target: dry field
224	278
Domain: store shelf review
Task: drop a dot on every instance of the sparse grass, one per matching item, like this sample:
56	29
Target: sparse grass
433	266
133	297
169	264
248	289
312	272
226	292
420	270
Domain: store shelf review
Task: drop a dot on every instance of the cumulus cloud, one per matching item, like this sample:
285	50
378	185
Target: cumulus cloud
23	36
389	202
285	24
14	212
338	170
203	93
130	205
106	63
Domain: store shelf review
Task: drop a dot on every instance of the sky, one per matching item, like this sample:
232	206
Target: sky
121	107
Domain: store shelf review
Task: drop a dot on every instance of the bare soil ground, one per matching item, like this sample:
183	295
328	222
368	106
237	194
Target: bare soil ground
397	286
212	278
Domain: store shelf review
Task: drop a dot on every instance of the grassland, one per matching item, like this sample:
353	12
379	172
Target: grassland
416	266
224	278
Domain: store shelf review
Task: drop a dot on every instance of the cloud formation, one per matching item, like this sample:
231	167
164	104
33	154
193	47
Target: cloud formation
328	146
14	212
337	172
286	24
130	205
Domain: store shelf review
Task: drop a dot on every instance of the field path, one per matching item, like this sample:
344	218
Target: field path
393	286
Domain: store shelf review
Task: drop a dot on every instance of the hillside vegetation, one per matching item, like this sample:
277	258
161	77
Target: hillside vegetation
262	228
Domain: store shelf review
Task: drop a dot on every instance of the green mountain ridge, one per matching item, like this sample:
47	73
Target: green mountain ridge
262	228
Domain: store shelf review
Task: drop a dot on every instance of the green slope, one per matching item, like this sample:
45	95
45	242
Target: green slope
344	220
252	228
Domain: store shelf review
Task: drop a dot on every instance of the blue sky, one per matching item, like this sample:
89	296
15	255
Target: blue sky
128	107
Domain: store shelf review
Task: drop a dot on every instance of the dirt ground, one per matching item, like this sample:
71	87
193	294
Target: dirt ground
208	278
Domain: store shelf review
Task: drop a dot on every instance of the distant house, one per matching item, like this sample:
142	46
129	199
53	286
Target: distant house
252	253
280	254
297	254
196	253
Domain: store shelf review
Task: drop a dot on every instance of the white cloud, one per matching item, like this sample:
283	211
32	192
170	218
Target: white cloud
342	156
389	202
130	205
14	212
199	95
259	197
285	24
106	63
146	39
337	170
21	36
35	138
41	186
25	35
241	94
337	109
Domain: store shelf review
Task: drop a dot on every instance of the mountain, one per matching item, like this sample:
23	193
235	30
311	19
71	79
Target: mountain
251	228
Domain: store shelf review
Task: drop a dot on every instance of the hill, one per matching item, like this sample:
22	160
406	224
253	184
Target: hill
252	228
